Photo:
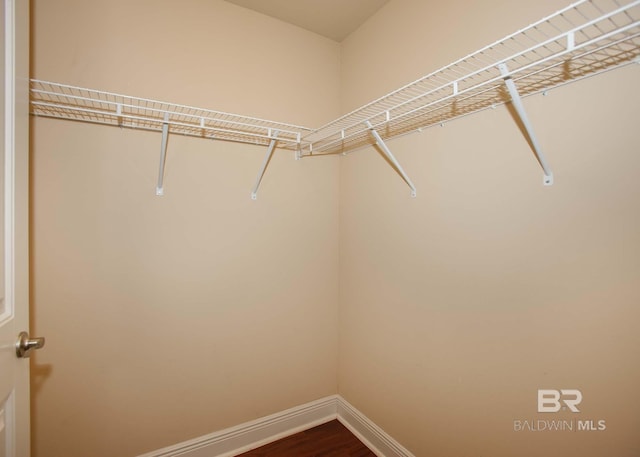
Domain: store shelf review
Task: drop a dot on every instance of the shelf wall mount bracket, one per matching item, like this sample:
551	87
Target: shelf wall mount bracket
265	164
163	154
516	101
389	156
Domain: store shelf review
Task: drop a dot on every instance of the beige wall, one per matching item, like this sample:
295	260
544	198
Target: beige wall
168	318
458	305
171	317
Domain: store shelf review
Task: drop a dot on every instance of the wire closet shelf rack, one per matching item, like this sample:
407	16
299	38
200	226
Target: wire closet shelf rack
63	101
585	38
581	40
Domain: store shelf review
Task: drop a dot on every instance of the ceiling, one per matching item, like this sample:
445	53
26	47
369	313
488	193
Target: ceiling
334	19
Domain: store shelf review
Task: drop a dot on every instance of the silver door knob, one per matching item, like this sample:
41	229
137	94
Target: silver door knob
25	345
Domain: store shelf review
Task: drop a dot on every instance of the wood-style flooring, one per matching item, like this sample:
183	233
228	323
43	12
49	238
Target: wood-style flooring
327	440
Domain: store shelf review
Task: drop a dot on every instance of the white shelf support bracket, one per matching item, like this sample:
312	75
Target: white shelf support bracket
516	100
387	153
163	154
265	164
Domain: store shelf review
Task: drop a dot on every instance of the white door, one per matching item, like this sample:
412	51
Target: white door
14	239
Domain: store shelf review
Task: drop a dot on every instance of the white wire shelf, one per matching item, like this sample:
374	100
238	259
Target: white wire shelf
55	100
583	39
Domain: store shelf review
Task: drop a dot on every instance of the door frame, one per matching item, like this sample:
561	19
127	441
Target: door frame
16	223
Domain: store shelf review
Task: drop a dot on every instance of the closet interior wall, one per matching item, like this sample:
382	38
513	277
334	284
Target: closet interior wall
458	305
171	317
438	317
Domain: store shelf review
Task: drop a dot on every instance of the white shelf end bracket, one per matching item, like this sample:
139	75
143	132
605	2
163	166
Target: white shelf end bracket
265	164
516	101
163	154
387	153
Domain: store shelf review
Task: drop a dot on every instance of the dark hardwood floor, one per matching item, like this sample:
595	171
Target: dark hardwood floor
327	440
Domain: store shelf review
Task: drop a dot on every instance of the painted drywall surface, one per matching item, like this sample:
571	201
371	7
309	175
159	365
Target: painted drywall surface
171	317
458	305
209	54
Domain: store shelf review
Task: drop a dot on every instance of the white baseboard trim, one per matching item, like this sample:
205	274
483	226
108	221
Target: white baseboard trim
368	432
242	438
250	435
